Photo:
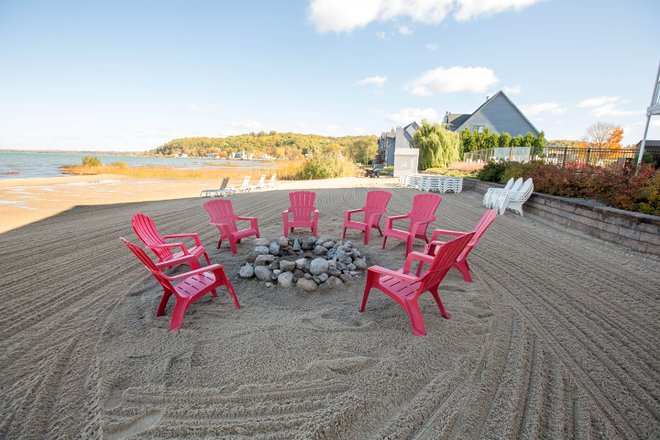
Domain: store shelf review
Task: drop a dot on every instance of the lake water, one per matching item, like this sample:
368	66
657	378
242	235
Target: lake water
24	165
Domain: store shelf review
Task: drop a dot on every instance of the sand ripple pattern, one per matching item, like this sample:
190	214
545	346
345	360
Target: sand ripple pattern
556	338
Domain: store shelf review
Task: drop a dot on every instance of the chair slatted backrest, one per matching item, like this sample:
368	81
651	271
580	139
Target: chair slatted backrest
222	211
423	208
527	189
146	261
509	183
271	181
302	205
376	204
224	183
146	230
443	261
517	184
246	182
486	219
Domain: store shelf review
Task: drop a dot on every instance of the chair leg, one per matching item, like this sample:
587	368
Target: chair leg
230	288
194	263
219	243
214	294
464	269
177	315
409	244
163	302
416	320
367	288
232	244
379	231
384	241
343	235
206	256
367	233
441	306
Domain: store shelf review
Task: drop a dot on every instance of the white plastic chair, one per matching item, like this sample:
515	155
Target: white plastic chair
514	200
497	197
493	191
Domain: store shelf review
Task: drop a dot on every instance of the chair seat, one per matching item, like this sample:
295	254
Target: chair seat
399	288
195	284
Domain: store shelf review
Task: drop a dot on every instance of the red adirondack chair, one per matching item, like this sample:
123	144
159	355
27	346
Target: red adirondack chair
461	262
146	230
304	213
376	206
405	287
422	214
222	215
192	285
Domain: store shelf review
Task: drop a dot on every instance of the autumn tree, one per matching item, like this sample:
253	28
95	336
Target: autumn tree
363	150
599	134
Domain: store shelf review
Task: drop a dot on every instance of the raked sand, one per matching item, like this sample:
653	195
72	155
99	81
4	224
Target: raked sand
557	337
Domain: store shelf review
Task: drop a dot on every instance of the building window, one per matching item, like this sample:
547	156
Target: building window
479	128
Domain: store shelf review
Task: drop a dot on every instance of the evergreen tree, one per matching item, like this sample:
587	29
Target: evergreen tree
437	147
528	140
504	140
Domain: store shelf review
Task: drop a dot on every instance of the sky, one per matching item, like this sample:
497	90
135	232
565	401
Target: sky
132	75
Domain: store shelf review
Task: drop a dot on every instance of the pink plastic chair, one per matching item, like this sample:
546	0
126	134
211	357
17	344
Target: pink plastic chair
461	262
192	286
376	206
405	287
304	213
422	214
223	217
147	232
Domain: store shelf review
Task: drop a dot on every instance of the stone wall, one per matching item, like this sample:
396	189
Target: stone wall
640	232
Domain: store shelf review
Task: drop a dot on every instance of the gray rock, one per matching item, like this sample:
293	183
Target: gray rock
306	246
342	256
264	259
246	271
330	254
346	278
262	272
261	250
296	245
333	282
317	280
356	254
287	265
261	242
301	263
311	240
351	267
274	265
308	276
269	285
332	264
274	248
323	277
318	266
334	272
298	273
307	285
360	264
283	242
320	250
276	272
329	244
285	279
251	257
340	266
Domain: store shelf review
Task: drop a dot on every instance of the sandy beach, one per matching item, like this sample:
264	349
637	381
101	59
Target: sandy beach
557	337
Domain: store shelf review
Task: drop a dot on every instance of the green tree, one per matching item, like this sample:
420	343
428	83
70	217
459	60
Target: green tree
467	141
539	144
437	147
363	150
528	140
517	141
504	140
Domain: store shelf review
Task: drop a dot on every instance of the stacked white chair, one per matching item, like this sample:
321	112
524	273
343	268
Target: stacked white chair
497	197
514	200
492	193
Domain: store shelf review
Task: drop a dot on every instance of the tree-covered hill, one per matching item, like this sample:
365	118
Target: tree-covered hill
278	145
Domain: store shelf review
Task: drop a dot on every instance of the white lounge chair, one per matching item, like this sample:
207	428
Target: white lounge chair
222	191
271	182
261	184
514	200
245	186
492	191
497	198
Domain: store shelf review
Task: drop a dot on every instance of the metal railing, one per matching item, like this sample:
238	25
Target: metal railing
563	156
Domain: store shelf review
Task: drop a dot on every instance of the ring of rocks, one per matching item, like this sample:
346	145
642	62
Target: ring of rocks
306	264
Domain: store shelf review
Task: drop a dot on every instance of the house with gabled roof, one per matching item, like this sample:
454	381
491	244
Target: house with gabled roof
399	138
499	114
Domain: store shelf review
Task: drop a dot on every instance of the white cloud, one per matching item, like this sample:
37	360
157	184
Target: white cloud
453	79
512	90
543	107
407	115
381	35
611	110
405	30
347	15
247	125
377	81
198	109
432	46
597	102
471	9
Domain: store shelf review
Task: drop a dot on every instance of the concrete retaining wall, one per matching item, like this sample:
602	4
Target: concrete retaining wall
637	231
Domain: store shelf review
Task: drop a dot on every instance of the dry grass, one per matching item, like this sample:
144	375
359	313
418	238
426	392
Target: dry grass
165	172
458	169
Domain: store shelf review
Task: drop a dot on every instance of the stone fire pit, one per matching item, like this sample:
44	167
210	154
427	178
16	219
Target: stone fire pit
306	263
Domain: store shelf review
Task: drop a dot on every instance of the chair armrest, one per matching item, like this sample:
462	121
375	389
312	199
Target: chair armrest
347	214
253	221
438	232
193	236
422	258
171	245
210	268
390	220
394	274
224	227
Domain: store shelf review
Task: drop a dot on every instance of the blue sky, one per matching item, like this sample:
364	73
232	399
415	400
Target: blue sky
131	75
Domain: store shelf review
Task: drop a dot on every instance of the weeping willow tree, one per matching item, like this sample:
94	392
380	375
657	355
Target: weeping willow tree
437	147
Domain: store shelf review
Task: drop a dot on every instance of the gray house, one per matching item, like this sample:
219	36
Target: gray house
401	137
499	114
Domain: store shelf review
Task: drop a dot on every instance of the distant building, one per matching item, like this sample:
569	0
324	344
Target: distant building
401	137
499	114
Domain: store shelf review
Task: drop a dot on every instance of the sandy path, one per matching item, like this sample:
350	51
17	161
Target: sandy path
557	337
